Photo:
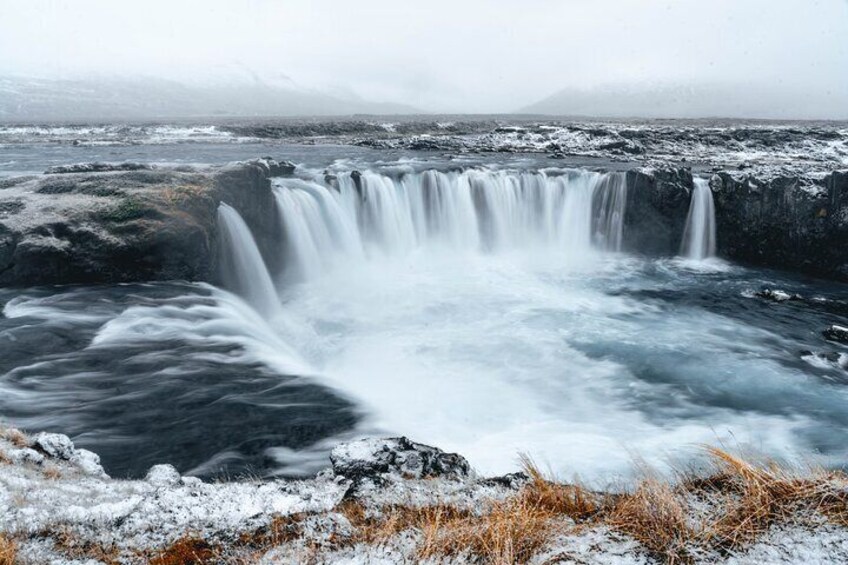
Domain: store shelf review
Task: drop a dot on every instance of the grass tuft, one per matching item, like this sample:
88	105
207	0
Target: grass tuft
743	499
8	550
720	512
654	515
189	550
70	544
573	501
15	437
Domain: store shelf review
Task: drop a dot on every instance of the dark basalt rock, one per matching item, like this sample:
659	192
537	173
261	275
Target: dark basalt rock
512	481
356	177
9	207
279	168
791	222
797	223
836	333
775	295
97	168
331	180
657	205
828	358
137	225
373	458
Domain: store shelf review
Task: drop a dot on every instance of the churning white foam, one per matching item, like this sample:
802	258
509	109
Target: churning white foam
470	310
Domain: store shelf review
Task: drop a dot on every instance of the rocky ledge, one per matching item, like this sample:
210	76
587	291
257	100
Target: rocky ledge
97	223
394	500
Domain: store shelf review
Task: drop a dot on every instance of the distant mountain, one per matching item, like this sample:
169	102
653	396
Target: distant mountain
25	99
772	101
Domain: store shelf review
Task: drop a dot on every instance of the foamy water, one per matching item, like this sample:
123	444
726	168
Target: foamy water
489	312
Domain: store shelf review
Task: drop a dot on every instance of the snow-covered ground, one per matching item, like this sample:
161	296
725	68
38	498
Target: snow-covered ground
763	147
778	148
58	506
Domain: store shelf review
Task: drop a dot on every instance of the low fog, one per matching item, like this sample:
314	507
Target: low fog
653	58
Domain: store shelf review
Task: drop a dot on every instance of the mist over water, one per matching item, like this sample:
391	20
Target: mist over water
488	312
486	309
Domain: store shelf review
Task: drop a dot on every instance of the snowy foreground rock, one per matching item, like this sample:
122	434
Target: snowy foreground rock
58	506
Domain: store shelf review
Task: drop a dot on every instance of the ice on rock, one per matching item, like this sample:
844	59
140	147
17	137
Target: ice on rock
60	446
163	476
24	456
370	458
57	446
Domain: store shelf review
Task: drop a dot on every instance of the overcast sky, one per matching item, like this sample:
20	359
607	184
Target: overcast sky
437	55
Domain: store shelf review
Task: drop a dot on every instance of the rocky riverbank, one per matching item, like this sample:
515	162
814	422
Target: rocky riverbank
95	223
133	222
394	500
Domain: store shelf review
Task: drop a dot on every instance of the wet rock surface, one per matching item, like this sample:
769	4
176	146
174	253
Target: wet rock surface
97	168
836	333
120	223
791	222
141	224
776	295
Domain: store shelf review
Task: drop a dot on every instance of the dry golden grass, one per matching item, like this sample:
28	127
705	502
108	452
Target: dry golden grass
14	436
188	550
745	500
8	550
51	472
573	501
282	529
68	543
654	515
718	513
509	532
756	497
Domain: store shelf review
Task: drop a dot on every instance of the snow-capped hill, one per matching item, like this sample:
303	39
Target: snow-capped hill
719	100
31	99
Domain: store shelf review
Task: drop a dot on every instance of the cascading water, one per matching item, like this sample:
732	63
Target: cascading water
371	213
699	236
242	267
451	307
611	206
466	309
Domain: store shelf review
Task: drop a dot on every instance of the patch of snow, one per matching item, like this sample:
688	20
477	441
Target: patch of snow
163	476
826	545
595	546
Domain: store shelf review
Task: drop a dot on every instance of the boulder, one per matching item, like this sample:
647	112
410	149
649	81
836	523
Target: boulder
60	447
56	446
372	458
163	476
775	295
836	333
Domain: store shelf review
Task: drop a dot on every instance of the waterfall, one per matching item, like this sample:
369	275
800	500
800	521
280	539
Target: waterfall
699	236
242	268
611	206
365	214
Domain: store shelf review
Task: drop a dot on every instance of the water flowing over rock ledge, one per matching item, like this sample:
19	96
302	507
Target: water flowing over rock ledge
92	224
393	500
